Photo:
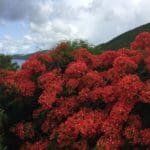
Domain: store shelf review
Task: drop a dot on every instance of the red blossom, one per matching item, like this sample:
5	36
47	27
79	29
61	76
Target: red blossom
7	77
76	69
23	130
47	99
34	65
83	55
80	145
145	93
87	123
108	94
145	134
104	60
133	134
72	83
147	62
124	65
130	83
19	130
109	142
26	87
38	145
141	41
92	79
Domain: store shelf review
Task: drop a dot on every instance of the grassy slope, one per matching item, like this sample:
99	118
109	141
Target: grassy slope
120	41
124	39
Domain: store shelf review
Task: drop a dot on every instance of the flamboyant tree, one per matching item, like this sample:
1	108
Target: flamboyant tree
72	99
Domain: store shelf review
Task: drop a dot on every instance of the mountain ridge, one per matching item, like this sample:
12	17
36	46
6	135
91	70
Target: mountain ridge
124	39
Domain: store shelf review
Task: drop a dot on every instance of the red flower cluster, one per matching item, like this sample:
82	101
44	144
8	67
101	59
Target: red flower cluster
86	124
84	102
52	84
23	130
38	145
142	41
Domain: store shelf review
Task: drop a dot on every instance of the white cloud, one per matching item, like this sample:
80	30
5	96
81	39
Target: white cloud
49	21
1	45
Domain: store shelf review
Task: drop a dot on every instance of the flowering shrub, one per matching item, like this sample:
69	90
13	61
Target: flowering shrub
79	101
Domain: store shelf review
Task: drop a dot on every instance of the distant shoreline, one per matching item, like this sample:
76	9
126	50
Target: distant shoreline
19	61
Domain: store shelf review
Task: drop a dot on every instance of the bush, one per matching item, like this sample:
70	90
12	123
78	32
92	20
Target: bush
3	119
6	62
72	99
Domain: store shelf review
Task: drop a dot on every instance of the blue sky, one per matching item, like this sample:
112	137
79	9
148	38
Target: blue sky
14	29
30	25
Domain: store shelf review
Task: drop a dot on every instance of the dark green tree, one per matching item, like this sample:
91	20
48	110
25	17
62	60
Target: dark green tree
6	62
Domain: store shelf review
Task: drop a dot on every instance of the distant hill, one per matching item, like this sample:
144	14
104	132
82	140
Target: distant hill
120	41
23	56
124	39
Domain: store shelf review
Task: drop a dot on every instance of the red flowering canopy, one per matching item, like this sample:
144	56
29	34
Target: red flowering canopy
80	101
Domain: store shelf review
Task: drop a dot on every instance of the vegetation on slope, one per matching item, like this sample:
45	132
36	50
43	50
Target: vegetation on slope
124	39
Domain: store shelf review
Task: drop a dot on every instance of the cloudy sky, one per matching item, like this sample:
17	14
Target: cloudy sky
30	25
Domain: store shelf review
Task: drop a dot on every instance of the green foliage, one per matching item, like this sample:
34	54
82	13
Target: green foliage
6	62
3	120
77	44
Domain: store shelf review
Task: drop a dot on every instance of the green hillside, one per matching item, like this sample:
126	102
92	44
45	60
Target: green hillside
124	39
